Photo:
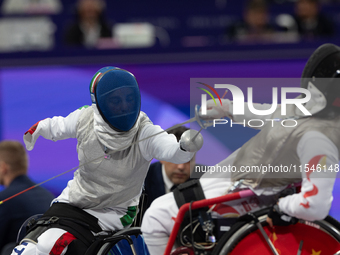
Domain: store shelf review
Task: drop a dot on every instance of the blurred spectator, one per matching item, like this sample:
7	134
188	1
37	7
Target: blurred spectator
311	23
255	26
89	26
13	175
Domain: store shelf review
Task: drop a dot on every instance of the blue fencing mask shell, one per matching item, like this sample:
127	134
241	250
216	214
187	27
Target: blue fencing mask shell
117	95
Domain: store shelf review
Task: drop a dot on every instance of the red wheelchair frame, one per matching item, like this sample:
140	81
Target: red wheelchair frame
198	204
225	198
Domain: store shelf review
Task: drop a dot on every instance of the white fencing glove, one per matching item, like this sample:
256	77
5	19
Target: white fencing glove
217	111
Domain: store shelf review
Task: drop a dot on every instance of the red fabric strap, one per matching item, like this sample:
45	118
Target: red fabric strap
61	243
32	129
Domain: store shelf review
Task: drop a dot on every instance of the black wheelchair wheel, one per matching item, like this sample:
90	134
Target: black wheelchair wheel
245	238
129	235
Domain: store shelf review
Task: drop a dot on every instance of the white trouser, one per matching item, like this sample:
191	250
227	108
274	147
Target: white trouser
44	246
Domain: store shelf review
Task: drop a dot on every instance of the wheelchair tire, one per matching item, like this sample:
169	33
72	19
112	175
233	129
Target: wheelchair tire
104	250
119	243
245	238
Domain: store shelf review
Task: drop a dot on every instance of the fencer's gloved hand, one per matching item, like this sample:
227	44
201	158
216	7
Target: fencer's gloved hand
279	218
191	140
216	111
31	136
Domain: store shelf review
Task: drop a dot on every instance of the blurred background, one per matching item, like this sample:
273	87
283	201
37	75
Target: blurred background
50	49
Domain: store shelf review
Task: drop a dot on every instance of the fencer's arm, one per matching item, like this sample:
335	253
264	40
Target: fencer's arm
163	146
248	115
315	199
56	128
218	111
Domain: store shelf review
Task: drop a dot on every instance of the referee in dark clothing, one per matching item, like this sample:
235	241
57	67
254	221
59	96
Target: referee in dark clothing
13	176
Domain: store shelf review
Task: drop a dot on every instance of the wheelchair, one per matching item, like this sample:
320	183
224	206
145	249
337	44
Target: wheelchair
124	242
251	235
127	241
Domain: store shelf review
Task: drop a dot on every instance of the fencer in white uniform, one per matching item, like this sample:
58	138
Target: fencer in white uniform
312	148
115	143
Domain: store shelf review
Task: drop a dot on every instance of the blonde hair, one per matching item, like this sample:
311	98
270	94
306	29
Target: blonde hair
14	154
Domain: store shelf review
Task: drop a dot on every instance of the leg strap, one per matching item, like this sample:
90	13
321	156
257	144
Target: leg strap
189	192
74	220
